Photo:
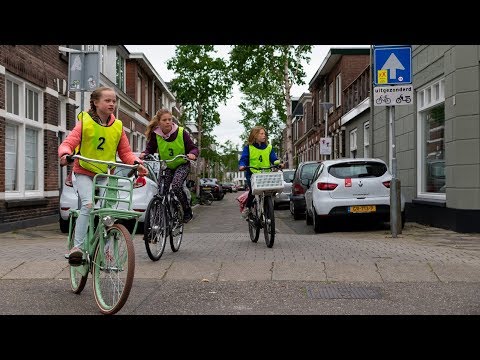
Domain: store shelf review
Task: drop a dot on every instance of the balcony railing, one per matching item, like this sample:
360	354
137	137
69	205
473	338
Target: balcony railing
357	91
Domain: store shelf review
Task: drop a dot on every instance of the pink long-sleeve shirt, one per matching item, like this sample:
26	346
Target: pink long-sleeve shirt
74	138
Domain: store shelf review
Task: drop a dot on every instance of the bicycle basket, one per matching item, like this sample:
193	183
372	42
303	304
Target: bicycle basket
267	182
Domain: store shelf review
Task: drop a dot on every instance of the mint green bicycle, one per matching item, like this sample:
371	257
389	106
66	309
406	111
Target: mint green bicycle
108	250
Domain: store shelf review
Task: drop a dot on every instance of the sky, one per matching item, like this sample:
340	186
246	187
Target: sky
230	128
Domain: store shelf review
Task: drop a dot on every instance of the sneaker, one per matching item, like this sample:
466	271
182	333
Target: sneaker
75	255
246	212
188	215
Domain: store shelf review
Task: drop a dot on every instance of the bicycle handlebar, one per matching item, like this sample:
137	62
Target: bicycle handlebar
150	157
264	168
70	159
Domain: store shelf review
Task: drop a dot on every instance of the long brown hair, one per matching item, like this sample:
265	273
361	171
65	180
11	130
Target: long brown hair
154	122
254	132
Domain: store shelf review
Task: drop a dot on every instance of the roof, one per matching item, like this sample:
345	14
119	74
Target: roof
333	57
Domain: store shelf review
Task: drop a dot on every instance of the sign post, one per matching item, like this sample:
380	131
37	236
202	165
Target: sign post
393	72
83	72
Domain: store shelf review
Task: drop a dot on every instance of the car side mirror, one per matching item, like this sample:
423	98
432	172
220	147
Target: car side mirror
306	182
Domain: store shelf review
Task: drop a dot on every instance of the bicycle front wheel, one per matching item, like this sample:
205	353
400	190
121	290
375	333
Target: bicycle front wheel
113	269
253	223
176	226
269	227
78	274
156	230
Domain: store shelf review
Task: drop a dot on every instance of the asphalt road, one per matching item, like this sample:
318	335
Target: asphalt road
354	270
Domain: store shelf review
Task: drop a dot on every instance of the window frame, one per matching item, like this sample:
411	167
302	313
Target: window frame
21	123
428	97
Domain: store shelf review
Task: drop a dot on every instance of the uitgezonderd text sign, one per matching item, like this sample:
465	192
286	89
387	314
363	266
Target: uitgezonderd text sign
393	95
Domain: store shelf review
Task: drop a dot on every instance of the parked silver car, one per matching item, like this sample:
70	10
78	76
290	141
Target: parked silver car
283	197
349	188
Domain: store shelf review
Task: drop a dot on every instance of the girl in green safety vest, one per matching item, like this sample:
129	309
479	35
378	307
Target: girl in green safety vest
258	153
99	135
170	140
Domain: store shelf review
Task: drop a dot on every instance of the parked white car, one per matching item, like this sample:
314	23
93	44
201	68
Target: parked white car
283	197
349	188
142	194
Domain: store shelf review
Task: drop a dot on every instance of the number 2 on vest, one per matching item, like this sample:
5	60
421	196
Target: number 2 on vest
102	141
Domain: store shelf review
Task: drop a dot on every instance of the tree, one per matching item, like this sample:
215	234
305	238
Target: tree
270	70
201	84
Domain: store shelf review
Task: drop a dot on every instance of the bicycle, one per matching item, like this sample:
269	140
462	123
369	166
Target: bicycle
264	187
164	216
383	98
108	251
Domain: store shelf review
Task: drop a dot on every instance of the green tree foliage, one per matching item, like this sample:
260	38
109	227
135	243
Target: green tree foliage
266	74
201	84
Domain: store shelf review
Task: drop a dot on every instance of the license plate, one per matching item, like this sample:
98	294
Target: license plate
363	209
207	188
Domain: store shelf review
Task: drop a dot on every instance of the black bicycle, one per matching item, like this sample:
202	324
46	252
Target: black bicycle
262	216
164	216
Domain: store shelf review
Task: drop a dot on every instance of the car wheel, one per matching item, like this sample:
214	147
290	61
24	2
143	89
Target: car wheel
308	218
295	213
64	224
318	225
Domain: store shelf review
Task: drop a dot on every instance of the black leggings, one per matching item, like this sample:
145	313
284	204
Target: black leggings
176	177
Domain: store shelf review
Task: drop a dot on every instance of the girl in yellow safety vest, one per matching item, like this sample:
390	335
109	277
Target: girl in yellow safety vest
170	140
99	136
257	153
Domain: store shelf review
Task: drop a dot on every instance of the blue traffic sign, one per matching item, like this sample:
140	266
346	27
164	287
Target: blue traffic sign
392	65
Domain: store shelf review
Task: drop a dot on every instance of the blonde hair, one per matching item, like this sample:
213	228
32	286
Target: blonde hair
96	95
154	122
254	133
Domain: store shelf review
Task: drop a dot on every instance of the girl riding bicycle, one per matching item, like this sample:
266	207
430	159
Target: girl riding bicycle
257	153
170	140
100	137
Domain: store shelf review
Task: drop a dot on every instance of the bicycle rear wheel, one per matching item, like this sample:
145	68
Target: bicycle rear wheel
155	231
176	225
77	277
113	269
269	227
253	223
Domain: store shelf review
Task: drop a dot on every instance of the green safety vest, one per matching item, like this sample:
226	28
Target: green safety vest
99	142
259	158
168	150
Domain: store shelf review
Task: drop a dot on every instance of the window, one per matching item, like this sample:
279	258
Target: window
120	72
12	98
139	90
146	96
338	90
366	139
330	96
353	142
23	139
431	140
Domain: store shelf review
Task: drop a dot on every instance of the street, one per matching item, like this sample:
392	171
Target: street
219	271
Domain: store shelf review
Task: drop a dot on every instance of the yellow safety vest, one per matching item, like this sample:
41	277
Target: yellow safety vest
99	142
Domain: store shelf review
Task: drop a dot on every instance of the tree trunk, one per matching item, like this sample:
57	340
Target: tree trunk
288	102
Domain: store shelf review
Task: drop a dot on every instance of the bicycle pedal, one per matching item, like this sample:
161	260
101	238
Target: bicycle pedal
76	262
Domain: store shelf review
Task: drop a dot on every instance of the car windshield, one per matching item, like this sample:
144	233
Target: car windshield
288	175
357	170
